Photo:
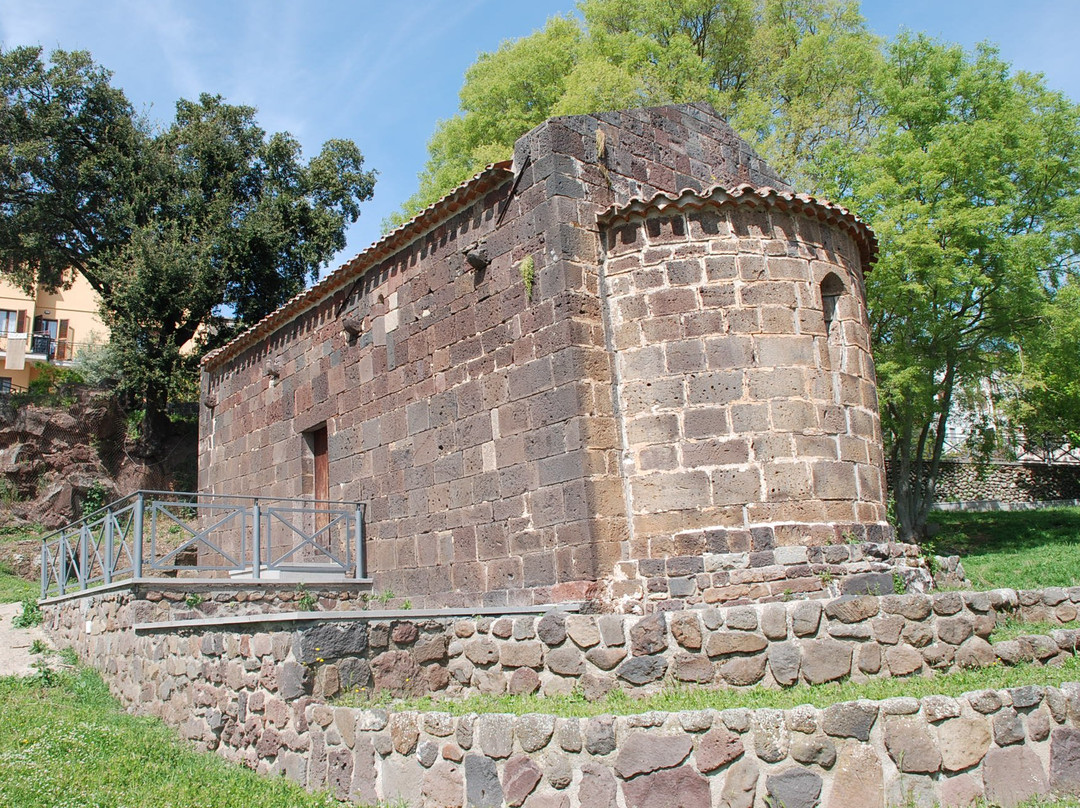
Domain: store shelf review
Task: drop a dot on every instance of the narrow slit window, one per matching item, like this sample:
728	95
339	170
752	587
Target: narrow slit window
831	290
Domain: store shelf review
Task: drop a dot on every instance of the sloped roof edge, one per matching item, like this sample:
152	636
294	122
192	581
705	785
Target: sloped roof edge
491	177
753	196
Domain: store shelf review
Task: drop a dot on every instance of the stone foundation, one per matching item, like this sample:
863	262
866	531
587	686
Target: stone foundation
769	575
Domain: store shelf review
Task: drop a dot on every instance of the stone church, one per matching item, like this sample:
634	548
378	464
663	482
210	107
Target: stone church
630	365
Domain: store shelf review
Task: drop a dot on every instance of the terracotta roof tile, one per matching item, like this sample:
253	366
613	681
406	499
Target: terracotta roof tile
765	196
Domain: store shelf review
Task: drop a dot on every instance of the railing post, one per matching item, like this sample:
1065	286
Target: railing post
358	530
44	570
62	549
137	537
108	565
256	540
84	534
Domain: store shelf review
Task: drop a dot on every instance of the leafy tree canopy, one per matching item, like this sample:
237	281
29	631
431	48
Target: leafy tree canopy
970	179
1041	399
790	75
169	227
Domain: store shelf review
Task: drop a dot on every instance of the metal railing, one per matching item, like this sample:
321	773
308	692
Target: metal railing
44	345
165	533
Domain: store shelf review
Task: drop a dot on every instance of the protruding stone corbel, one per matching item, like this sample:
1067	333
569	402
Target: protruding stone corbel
352	326
477	256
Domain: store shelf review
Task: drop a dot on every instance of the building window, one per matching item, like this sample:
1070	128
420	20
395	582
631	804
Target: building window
9	322
5	386
831	290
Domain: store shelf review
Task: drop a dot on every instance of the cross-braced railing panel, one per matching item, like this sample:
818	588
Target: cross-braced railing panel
324	535
175	530
165	533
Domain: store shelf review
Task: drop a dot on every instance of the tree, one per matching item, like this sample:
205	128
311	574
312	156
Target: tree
71	150
789	74
970	181
171	228
1042	399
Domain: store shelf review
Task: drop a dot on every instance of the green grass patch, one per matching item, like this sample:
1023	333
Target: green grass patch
12	533
14	589
1014	549
70	745
1013	627
673	698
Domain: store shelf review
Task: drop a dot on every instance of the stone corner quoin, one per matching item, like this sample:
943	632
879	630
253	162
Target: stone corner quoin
632	345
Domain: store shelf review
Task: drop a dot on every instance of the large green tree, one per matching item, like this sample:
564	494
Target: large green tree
1041	398
172	228
791	75
970	181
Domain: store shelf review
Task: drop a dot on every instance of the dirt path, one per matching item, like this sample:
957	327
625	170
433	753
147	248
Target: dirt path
15	643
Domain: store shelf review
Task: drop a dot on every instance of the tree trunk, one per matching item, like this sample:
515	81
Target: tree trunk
155	425
915	474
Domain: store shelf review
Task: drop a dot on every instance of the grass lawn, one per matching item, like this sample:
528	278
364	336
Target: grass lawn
69	745
14	589
676	698
1016	549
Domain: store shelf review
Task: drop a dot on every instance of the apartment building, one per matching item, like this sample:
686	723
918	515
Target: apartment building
44	328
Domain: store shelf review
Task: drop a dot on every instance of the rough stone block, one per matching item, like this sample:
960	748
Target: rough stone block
1013	775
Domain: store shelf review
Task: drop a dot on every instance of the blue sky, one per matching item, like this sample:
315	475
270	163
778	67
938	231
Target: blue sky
383	73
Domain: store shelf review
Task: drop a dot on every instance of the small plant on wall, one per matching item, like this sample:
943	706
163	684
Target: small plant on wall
528	274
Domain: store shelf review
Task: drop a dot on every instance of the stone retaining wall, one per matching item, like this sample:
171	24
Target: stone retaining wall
157	600
774	644
1006	745
255	691
960	481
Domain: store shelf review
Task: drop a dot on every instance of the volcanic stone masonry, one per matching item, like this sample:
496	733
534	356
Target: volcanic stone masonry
252	682
630	349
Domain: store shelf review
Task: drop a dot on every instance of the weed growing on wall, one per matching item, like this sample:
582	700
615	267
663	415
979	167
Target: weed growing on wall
306	601
95	498
528	274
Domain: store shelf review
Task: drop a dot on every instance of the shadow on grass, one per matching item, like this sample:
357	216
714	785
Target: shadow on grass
1016	549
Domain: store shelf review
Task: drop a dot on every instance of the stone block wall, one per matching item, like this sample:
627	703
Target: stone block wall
749	415
255	692
780	574
472	410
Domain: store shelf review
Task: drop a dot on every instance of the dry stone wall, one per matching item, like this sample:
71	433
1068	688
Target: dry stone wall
255	691
779	574
1005	745
960	481
777	644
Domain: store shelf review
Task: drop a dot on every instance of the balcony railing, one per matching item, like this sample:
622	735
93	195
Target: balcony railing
165	534
44	346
